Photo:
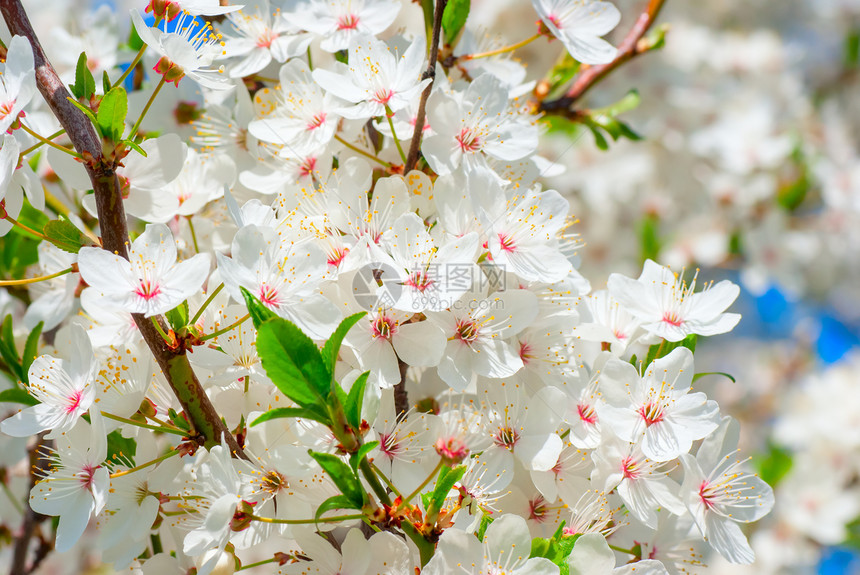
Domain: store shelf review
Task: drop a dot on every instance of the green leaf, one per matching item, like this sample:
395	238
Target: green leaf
663	349
17	395
31	350
355	400
773	466
560	75
178	316
332	346
8	350
444	483
106	83
334	502
342	476
284	412
85	84
356	458
112	112
626	104
120	450
133	145
87	111
293	362
724	374
63	234
482	527
260	314
599	139
454	18
18	251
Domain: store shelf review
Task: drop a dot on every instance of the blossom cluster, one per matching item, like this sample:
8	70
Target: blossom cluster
344	249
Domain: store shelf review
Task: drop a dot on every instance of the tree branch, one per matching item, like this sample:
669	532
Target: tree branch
629	48
31	518
430	72
114	229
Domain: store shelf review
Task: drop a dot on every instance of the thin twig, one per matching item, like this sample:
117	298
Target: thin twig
591	75
429	73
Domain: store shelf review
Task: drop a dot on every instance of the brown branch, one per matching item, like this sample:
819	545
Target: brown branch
629	48
32	519
430	72
114	229
401	397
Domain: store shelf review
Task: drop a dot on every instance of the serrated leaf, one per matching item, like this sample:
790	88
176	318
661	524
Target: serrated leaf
356	458
454	18
355	400
17	395
293	363
111	115
444	483
63	234
332	346
300	412
31	350
334	502
343	477
85	84
178	316
259	312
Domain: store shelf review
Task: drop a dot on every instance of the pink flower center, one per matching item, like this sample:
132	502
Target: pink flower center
526	353
452	449
419	281
587	413
468	141
74	401
336	255
506	242
265	39
347	22
706	495
672	318
383	327
87	475
538	509
555	21
652	413
147	290
506	437
308	166
389	445
269	295
382	96
467	331
317	121
629	468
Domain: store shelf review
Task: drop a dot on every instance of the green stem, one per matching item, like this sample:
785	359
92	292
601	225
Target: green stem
131	66
205	304
307	521
173	430
146	108
258	563
167	455
41	142
386	480
193	235
423	485
622	550
45	140
164	336
377	487
498	51
362	152
26	281
226	329
390	115
15	503
31	231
